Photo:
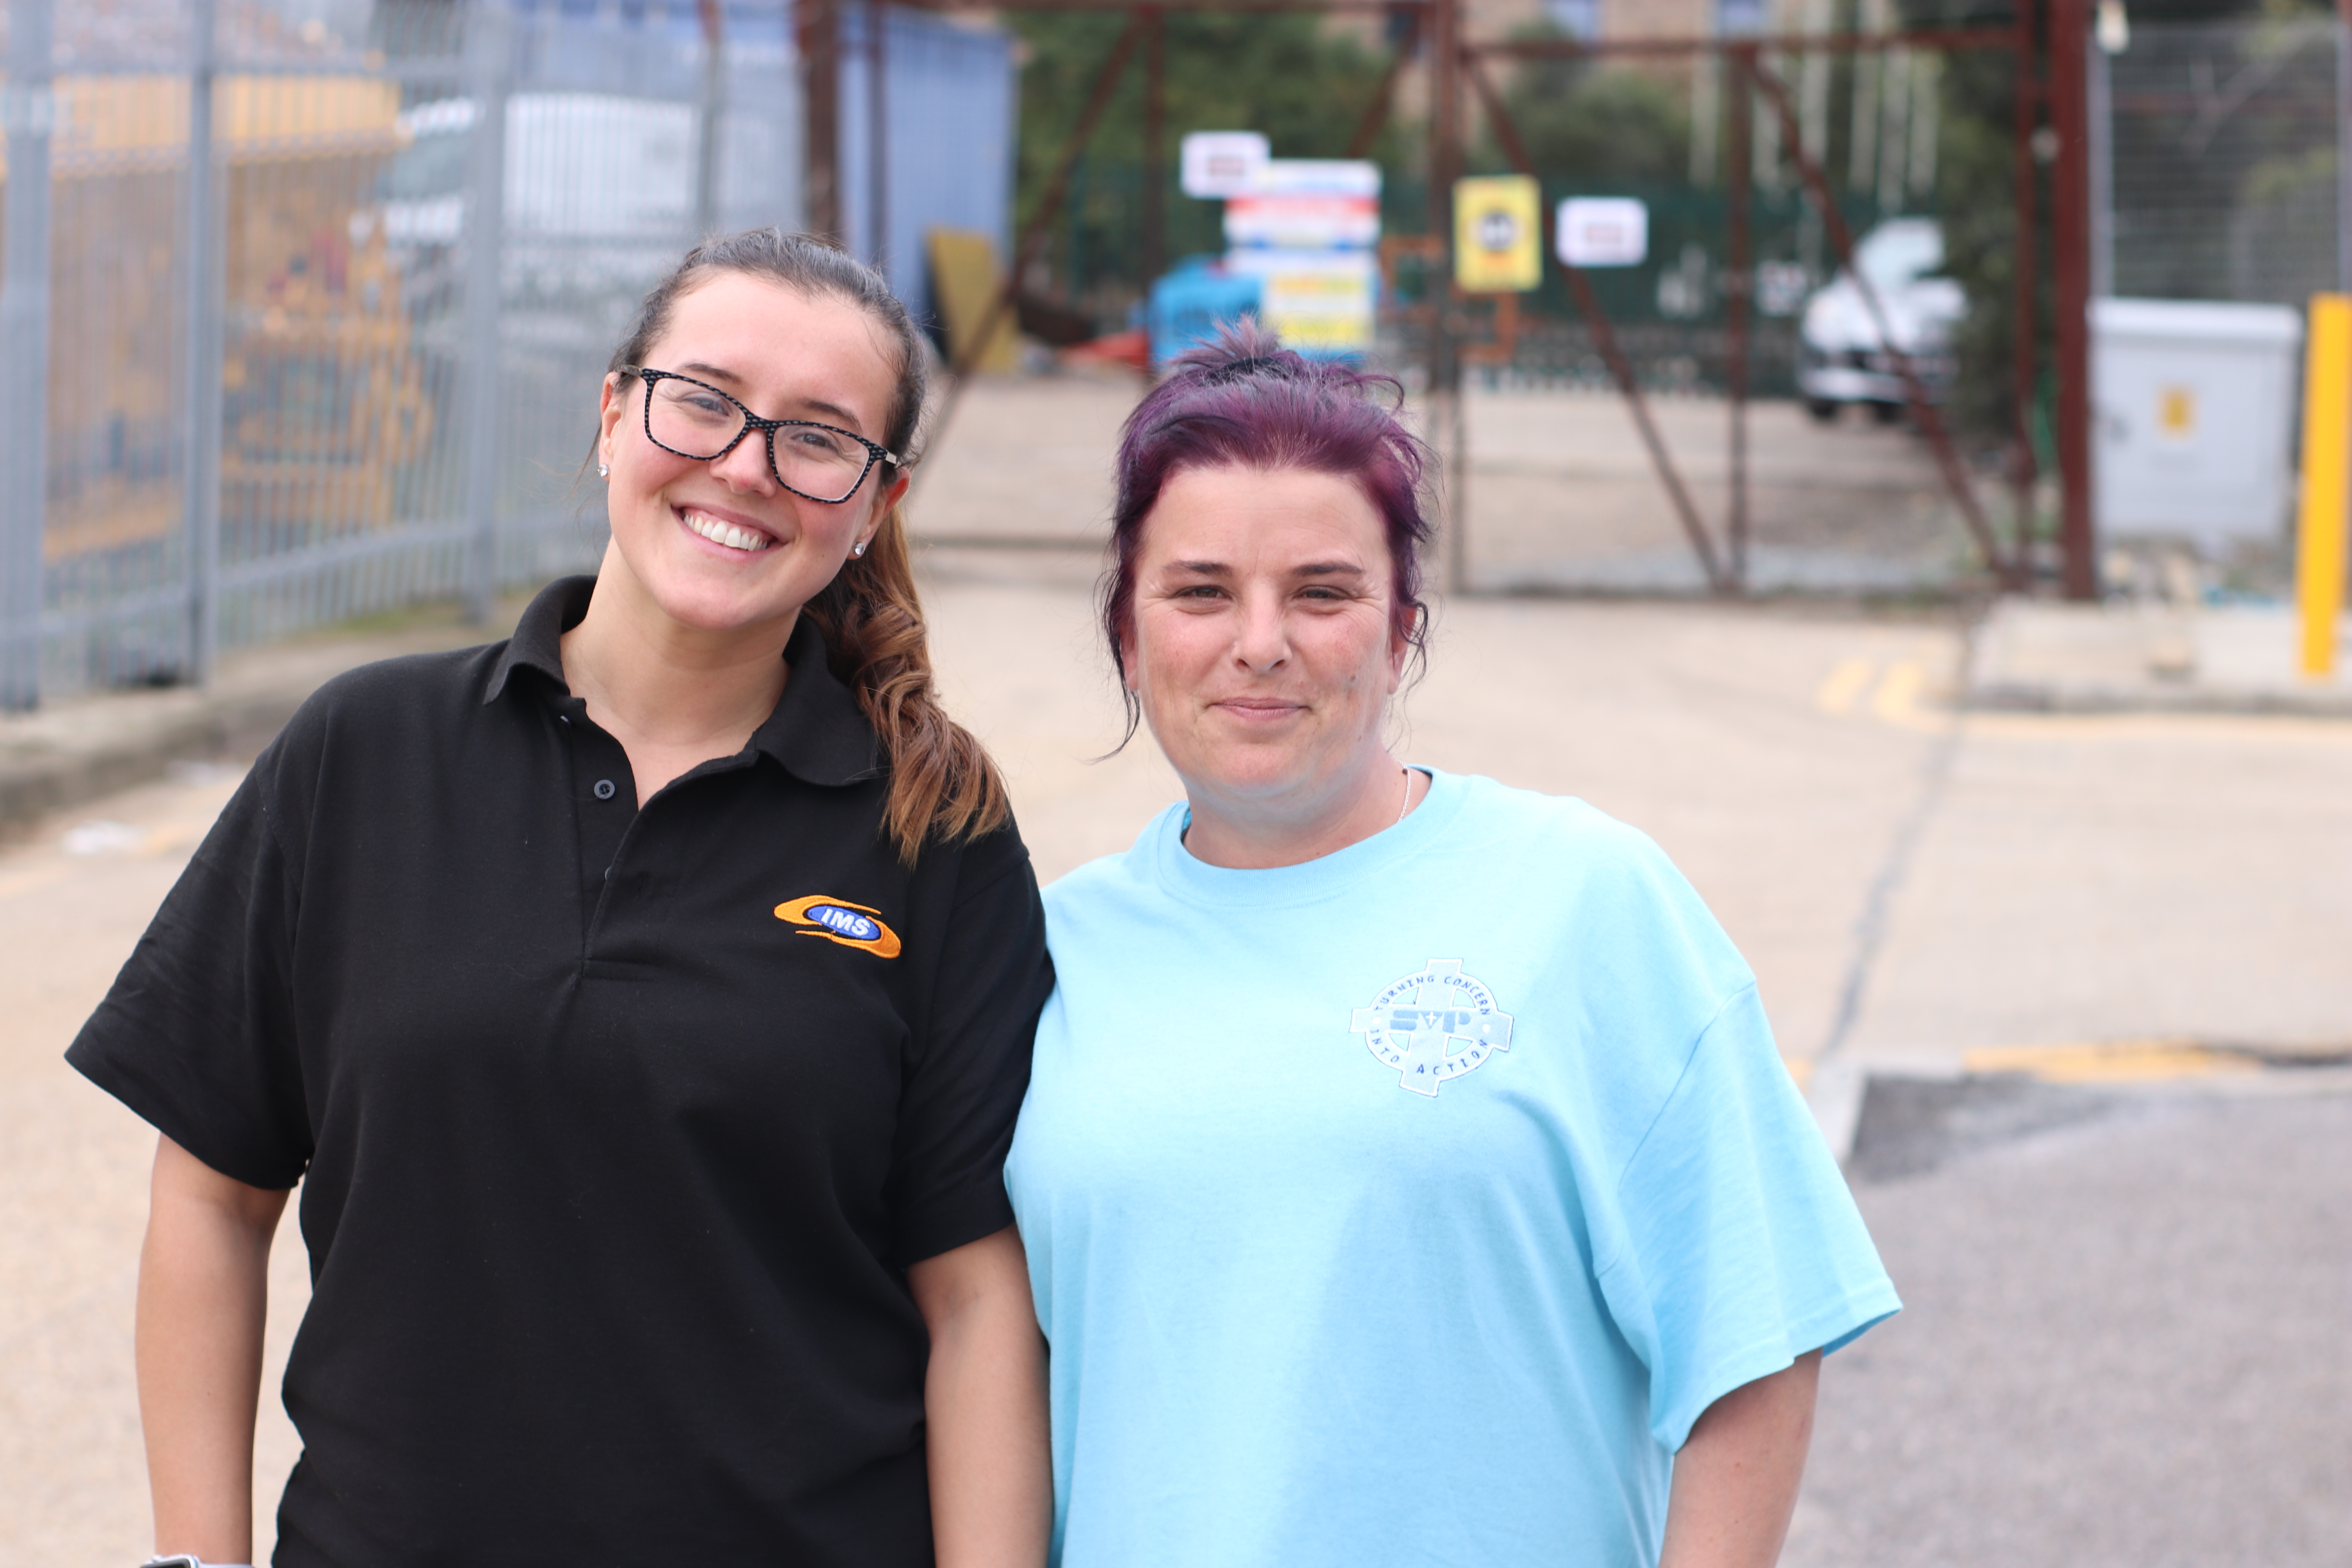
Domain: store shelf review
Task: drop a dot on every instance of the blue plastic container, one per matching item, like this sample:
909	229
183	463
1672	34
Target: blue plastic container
1191	303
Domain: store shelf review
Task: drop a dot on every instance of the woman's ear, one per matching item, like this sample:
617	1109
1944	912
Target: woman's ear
609	405
1400	648
895	493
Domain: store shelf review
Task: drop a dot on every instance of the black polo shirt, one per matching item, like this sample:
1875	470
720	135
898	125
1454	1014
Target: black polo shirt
616	1127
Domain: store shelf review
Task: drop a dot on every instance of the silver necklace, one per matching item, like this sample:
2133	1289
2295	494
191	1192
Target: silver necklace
1406	804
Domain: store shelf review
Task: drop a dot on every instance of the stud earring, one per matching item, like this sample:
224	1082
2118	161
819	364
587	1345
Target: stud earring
603	470
859	548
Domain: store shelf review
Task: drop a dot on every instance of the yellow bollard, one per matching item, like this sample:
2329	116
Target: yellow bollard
2327	431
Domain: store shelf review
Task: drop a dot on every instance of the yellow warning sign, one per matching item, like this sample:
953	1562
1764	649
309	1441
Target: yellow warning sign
2175	412
1497	235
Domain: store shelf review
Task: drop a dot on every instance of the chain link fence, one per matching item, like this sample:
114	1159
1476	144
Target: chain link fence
2220	161
313	384
351	363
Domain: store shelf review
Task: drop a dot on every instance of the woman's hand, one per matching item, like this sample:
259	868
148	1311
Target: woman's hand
204	1288
984	1402
1735	1477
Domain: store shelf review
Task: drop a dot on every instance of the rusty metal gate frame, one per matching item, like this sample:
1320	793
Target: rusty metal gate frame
1452	62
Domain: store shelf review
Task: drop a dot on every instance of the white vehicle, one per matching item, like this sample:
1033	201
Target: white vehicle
1841	358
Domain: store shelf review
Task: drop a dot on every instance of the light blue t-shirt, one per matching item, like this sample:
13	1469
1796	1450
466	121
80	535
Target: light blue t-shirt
1408	1207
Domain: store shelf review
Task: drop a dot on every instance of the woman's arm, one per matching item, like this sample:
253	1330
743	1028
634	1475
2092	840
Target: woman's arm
1735	1477
203	1287
984	1401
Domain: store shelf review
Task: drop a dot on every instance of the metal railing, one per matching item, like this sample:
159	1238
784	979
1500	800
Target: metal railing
264	364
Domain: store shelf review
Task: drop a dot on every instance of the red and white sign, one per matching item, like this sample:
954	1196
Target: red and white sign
1303	223
1308	204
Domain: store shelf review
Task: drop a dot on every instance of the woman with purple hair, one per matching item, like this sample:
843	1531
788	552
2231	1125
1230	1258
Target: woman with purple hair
1408	1174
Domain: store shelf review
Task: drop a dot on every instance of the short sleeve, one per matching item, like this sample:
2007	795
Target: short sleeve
197	1034
1737	1246
970	1069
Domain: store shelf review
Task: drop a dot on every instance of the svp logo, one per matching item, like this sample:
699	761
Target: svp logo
1433	1025
836	920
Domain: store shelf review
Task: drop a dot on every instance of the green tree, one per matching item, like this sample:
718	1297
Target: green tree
1975	201
1283	74
1587	122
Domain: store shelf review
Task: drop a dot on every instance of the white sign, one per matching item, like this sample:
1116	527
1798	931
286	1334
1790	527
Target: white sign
1604	231
1219	163
1318	177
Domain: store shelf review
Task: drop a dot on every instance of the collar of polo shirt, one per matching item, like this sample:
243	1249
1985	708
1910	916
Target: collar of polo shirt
817	732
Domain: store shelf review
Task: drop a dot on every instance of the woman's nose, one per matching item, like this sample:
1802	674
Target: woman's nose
745	469
1264	642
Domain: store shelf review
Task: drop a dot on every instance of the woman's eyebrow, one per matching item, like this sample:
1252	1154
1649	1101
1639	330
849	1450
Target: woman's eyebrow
710	371
818	404
832	411
1311	569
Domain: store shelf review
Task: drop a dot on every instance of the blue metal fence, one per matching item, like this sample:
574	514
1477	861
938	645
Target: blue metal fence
948	108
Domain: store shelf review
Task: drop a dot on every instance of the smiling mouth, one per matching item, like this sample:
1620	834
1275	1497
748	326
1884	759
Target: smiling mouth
731	536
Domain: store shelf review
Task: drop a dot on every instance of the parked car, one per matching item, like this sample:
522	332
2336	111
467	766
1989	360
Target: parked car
1842	357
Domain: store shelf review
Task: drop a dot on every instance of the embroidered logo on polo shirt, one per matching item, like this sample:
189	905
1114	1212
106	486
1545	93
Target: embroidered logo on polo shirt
837	919
1433	1025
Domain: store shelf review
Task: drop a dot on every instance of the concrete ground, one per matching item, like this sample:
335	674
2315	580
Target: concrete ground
2123	1345
2153	657
2123	1337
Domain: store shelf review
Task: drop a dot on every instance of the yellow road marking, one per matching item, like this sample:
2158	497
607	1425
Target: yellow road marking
1896	700
1845	684
2114	1061
1894	694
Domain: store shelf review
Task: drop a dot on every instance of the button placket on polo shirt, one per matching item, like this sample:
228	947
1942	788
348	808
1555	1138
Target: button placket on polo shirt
603	806
637	882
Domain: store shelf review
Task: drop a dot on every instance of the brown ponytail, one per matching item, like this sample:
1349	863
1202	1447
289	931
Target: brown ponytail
941	781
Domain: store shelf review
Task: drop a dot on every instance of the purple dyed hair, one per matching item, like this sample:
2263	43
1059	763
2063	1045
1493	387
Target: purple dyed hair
1246	402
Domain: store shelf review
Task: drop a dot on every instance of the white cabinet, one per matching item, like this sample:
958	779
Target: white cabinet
2193	419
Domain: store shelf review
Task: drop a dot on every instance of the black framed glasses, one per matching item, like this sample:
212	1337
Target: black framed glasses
694	419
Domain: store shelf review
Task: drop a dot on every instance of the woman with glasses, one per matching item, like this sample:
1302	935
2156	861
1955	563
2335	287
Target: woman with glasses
643	1005
1408	1175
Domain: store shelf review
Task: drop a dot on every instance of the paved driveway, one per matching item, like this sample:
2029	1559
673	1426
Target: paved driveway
2125	1338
